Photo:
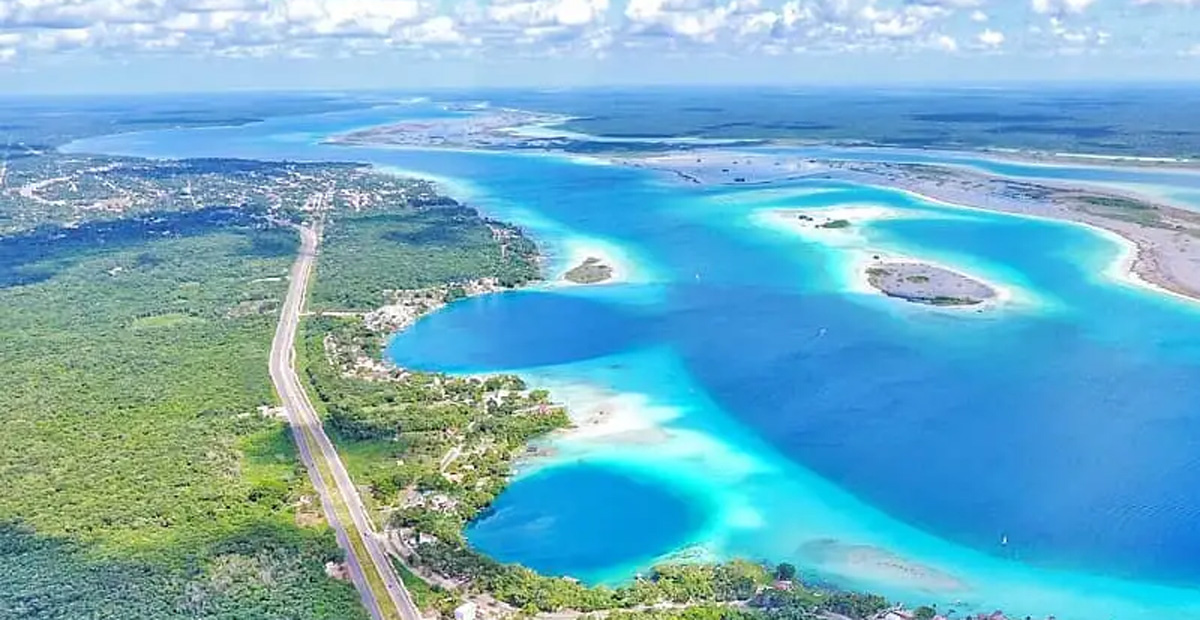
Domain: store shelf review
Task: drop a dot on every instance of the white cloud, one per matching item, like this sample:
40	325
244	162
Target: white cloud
1046	7
700	20
991	38
440	30
945	43
951	4
338	28
531	13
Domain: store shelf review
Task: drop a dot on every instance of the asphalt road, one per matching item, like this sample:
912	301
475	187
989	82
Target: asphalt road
305	423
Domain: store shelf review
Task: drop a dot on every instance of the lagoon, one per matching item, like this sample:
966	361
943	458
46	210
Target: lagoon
1039	458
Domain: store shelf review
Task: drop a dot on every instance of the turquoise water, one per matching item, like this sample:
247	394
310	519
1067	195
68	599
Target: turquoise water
758	404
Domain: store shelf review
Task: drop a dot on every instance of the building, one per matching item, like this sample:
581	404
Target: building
466	611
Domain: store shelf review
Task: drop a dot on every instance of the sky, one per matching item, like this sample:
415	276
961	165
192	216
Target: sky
80	46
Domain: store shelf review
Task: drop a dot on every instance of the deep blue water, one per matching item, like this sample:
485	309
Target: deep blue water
1068	425
549	506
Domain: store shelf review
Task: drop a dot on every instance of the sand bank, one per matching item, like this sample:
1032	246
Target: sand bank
1158	245
579	250
602	416
842	228
927	284
869	563
1165	238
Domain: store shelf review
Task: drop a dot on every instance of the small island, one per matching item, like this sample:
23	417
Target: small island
927	284
591	271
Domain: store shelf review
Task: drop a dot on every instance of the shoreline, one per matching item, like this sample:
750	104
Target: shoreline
859	258
1161	262
853	560
1141	250
1165	258
577	251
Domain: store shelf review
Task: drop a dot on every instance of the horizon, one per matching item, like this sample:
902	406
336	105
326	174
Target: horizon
1013	86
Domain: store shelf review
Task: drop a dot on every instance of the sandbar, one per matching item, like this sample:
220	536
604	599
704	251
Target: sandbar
592	262
1165	239
870	563
935	283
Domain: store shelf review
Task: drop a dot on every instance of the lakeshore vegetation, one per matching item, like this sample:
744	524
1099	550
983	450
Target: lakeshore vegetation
155	480
433	451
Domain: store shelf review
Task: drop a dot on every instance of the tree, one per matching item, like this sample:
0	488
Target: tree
785	572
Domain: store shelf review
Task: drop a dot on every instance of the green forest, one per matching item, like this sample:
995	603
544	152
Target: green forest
364	254
143	482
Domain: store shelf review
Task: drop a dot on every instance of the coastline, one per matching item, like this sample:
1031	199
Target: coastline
1157	260
1163	259
860	562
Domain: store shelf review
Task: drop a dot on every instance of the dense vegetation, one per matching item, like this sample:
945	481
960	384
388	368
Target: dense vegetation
413	246
422	436
1157	121
142	479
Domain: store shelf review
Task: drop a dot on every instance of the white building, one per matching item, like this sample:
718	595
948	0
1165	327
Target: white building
466	611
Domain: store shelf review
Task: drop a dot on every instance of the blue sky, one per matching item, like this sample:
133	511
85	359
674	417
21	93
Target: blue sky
163	45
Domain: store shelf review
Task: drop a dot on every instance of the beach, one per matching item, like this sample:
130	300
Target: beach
576	251
842	228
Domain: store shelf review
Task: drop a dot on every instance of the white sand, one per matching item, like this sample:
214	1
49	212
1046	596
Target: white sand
607	417
850	236
578	249
854	245
630	428
1120	270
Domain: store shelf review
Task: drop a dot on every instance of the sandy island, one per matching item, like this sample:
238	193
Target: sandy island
593	262
591	271
874	271
928	284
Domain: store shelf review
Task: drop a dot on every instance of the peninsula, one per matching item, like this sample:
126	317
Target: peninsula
468	128
1161	240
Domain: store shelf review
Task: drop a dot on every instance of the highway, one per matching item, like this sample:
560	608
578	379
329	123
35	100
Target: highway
305	424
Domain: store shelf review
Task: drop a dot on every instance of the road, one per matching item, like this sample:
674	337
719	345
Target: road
305	424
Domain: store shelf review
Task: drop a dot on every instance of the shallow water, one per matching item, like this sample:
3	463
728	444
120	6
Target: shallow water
781	414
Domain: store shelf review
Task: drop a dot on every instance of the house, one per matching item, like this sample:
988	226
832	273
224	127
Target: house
466	611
